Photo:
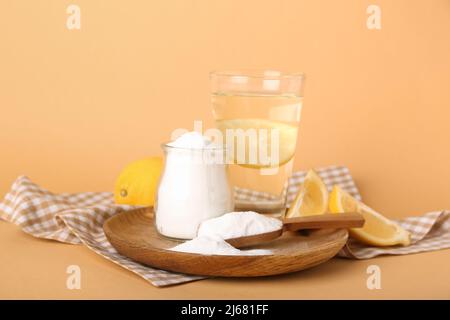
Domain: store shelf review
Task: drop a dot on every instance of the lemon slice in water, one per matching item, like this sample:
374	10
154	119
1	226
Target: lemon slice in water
287	134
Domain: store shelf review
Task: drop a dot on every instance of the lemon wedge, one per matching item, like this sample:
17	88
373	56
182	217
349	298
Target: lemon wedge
311	199
377	230
286	144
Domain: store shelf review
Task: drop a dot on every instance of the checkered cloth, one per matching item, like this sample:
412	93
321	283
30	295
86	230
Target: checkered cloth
78	219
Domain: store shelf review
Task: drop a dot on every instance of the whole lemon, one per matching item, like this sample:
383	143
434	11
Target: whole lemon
137	183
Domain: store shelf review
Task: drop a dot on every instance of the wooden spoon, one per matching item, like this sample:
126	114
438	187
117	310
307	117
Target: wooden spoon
328	220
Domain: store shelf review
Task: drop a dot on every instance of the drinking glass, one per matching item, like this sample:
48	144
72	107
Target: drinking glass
258	115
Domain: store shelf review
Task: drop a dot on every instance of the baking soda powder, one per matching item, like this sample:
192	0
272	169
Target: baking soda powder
213	233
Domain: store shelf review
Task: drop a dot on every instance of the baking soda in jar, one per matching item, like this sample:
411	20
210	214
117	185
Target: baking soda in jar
193	187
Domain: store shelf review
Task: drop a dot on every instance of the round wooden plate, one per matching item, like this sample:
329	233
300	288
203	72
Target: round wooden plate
133	234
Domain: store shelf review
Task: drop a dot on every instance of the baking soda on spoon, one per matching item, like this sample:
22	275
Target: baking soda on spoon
212	234
239	224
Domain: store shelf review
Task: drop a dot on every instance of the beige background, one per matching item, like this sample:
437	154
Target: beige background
78	105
